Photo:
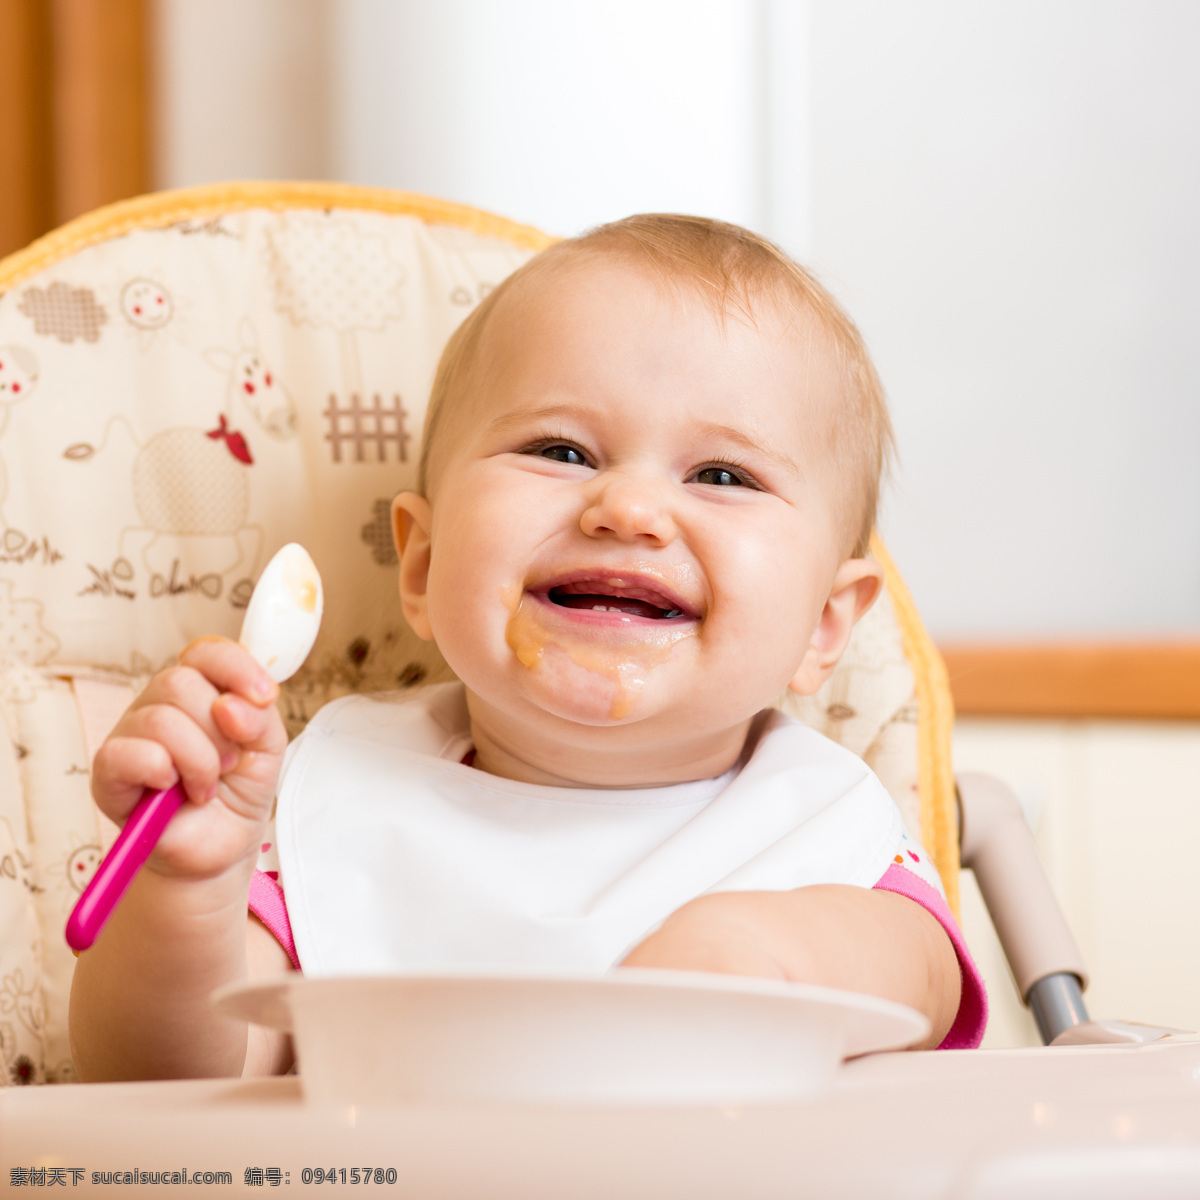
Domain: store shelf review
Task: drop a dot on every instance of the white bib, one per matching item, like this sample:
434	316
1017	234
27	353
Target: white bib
395	856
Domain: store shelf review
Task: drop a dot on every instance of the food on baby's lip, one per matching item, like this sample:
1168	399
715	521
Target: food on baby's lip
626	665
284	614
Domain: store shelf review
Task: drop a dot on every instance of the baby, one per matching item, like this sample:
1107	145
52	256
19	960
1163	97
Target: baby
649	473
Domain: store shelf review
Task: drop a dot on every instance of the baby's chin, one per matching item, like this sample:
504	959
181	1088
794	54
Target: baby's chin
563	688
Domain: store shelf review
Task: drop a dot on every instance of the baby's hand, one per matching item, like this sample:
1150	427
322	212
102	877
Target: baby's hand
212	723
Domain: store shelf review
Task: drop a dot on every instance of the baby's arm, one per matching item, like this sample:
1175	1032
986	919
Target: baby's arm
859	939
140	998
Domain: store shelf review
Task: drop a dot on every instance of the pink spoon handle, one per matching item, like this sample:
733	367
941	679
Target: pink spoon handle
123	861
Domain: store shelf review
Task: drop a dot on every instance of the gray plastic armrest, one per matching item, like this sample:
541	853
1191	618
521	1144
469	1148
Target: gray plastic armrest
998	846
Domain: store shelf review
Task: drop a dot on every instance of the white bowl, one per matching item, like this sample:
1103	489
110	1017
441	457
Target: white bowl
634	1036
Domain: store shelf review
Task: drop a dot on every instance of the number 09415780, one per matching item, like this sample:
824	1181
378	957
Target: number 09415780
348	1175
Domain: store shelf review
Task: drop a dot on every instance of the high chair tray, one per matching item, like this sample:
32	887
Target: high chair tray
1086	1123
633	1036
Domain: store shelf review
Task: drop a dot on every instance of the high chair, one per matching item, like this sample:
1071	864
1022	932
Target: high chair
187	381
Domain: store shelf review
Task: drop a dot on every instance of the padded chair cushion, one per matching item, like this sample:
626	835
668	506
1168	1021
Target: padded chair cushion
187	382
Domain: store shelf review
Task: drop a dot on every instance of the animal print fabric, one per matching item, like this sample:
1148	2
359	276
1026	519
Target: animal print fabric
178	401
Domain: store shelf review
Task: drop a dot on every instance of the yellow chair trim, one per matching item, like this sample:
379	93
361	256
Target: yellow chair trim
935	724
157	209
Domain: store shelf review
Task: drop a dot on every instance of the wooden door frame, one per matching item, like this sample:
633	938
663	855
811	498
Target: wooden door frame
75	93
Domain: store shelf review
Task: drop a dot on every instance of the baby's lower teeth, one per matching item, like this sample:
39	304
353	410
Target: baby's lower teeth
665	615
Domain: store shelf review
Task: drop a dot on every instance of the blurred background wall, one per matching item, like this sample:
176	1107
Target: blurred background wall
1003	194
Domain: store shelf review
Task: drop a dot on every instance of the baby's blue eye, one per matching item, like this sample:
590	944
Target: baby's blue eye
565	454
721	476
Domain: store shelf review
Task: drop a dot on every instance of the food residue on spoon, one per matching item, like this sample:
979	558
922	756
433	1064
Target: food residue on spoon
301	579
284	613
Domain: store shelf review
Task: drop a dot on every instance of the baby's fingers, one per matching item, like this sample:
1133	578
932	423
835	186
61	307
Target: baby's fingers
157	744
208	719
230	668
123	768
187	689
253	729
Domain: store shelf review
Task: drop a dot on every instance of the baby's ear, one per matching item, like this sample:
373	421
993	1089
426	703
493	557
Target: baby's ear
411	520
855	586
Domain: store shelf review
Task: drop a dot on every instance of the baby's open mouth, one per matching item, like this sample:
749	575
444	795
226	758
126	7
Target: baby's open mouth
615	596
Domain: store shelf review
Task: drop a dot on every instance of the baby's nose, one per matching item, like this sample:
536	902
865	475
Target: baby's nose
629	508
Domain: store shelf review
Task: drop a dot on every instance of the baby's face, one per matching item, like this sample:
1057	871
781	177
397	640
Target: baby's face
633	530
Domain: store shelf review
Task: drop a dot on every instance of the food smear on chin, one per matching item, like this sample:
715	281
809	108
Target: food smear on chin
626	667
